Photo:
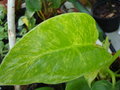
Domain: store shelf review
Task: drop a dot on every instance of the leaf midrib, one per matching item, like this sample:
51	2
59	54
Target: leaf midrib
64	48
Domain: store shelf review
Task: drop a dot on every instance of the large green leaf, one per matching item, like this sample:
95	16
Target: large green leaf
102	85
33	5
78	84
58	50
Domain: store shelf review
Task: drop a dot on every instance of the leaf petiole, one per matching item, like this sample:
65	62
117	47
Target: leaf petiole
112	74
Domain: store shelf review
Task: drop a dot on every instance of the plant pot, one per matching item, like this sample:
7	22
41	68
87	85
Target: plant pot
107	14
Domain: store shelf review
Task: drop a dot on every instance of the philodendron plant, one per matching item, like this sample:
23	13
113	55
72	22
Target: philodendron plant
60	49
44	8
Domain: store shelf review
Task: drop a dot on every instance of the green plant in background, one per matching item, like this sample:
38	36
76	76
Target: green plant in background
44	8
3	39
25	24
55	52
2	12
82	84
3	32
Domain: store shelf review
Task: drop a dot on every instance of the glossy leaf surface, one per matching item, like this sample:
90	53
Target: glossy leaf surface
58	50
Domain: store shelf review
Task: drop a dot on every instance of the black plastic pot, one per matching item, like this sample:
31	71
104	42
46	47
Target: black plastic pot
107	24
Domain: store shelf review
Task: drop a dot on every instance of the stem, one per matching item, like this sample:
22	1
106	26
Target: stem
11	27
39	15
117	75
117	54
11	23
44	5
113	78
117	71
42	15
